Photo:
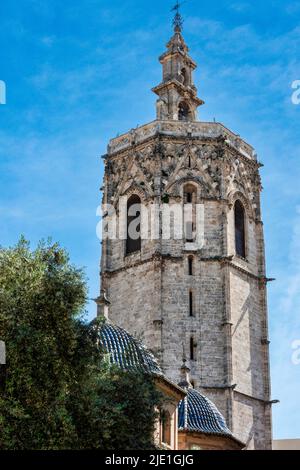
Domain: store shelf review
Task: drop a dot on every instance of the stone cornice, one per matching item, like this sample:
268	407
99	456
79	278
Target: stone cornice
176	84
229	262
178	130
251	397
168	54
160	257
235	391
155	257
263	280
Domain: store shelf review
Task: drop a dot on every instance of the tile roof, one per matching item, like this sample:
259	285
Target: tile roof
126	351
197	413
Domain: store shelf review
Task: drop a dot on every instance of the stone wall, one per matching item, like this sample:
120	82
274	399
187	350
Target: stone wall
197	441
149	290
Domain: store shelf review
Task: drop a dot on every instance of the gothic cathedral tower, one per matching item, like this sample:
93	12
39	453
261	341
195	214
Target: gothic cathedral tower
207	298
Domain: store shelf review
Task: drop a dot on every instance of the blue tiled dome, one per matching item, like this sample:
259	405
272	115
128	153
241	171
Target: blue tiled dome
198	413
125	351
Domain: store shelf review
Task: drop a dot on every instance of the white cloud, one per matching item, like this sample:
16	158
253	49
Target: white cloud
239	7
292	8
291	299
48	40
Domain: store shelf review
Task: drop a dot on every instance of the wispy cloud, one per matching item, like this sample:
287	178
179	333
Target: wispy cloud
290	302
239	7
48	40
293	8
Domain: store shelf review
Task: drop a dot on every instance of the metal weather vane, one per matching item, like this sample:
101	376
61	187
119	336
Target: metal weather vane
178	20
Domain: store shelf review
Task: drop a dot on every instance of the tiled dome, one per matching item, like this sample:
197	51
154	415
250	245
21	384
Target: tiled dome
198	413
125	351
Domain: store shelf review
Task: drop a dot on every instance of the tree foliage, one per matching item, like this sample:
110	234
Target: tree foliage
60	391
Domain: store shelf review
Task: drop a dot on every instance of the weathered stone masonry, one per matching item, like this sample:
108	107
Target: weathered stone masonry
149	290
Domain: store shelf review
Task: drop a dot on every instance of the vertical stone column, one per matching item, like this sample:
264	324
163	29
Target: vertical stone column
104	243
265	332
157	307
227	325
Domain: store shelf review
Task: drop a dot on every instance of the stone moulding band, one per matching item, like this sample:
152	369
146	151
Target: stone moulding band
262	279
237	392
217	259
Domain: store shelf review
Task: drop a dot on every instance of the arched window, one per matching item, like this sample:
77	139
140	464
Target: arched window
191	265
191	304
239	220
166	427
189	193
183	111
133	242
184	77
192	349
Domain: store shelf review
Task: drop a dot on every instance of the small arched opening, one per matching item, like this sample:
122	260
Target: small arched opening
239	221
184	77
191	265
189	199
133	241
166	427
191	303
192	349
184	113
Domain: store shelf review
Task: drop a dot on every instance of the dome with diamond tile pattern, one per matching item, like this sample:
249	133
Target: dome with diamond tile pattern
125	351
197	413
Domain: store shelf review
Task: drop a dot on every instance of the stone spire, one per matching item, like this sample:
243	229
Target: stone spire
177	93
102	305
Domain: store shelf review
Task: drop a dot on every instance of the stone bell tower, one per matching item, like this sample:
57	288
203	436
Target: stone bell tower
209	297
177	93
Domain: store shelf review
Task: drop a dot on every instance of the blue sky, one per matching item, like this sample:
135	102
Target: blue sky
79	72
